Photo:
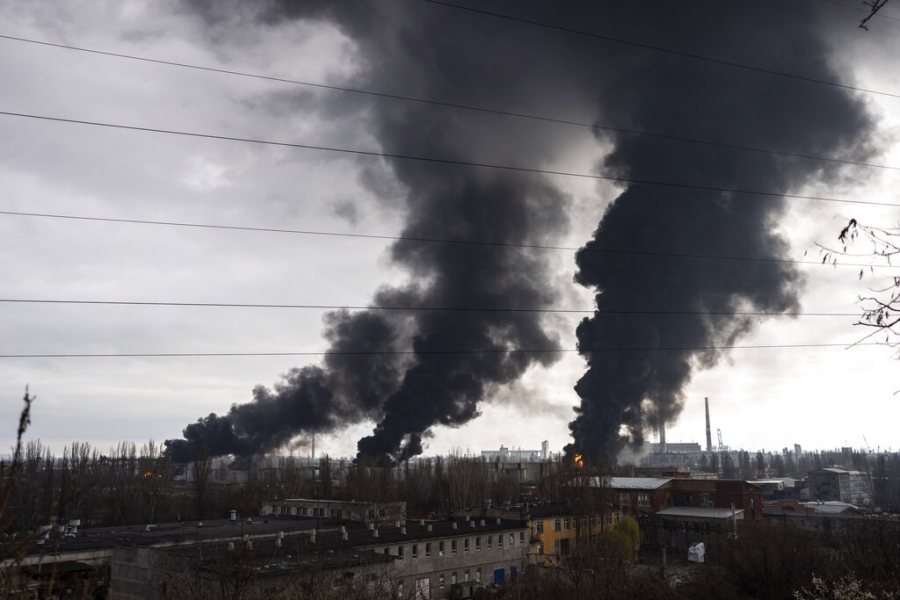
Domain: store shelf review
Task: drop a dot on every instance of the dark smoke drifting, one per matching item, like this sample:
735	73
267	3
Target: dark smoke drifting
424	50
458	357
625	393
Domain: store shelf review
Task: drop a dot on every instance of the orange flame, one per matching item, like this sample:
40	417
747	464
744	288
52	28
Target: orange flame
578	461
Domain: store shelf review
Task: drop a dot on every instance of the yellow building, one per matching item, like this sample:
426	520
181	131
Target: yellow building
556	529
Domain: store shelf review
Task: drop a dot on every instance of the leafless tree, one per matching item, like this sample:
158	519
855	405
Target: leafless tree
880	307
201	470
467	481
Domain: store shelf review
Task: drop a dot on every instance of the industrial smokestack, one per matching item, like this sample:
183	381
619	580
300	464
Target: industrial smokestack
662	436
708	430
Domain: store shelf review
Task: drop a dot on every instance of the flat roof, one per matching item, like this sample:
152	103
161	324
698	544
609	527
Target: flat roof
638	483
266	528
700	512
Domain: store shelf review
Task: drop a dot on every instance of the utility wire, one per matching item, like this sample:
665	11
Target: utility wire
445	161
434	352
860	9
468	107
446	241
680	53
426	308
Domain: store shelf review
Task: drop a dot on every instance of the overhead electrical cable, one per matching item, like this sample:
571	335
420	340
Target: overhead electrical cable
434	352
646	46
878	14
445	161
445	241
754	313
453	105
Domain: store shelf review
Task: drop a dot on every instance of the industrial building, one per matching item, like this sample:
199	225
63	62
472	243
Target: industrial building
272	553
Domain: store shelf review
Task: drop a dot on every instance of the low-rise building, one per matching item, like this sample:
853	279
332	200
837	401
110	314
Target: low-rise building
834	484
271	556
363	512
825	518
556	529
679	527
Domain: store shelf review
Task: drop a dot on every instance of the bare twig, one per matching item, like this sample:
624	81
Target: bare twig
874	7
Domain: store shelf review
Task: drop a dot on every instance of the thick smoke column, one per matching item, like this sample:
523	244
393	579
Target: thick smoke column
627	392
420	49
458	357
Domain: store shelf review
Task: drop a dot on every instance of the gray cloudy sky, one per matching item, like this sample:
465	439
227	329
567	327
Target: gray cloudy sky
818	397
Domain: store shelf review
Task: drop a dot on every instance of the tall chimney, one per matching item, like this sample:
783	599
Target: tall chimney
709	447
662	436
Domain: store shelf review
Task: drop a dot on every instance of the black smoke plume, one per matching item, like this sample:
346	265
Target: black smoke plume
640	385
458	358
425	50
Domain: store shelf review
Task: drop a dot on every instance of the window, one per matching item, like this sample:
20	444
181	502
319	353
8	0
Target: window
643	499
400	552
500	541
441	581
539	526
706	500
557	525
415	551
441	548
512	541
466	546
452	546
624	498
490	542
453	578
427	549
478	544
400	589
521	538
566	524
478	574
466	575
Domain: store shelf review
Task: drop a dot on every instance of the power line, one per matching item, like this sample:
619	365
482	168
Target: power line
434	352
680	53
441	241
468	107
864	10
445	161
423	308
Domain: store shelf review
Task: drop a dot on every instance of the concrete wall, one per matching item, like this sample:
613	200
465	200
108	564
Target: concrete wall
132	574
486	557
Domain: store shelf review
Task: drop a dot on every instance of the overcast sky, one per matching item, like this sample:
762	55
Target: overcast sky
819	397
